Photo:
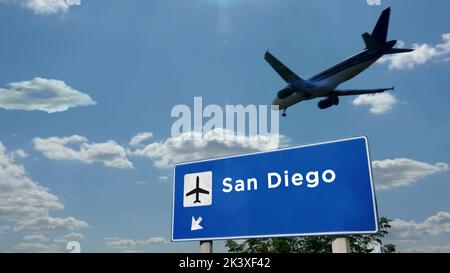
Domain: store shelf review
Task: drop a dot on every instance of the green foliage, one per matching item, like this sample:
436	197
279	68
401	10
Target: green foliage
321	244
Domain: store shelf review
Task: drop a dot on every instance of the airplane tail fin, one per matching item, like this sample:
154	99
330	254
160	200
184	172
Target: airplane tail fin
378	39
380	31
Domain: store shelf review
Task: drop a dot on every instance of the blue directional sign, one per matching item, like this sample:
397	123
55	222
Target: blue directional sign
319	189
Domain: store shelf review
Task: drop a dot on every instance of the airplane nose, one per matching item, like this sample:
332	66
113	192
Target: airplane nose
276	104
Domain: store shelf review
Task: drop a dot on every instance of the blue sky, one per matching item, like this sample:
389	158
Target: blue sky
122	65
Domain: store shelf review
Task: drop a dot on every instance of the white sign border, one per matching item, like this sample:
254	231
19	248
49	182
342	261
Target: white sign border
369	163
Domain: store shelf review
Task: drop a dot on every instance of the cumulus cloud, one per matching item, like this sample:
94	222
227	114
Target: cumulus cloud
45	6
193	146
416	236
154	241
26	206
139	138
43	95
19	154
20	197
398	172
429	249
37	247
435	225
423	54
187	146
51	223
120	243
163	177
72	236
36	238
110	154
378	103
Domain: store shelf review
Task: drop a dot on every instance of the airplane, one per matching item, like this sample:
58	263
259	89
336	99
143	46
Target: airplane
197	191
324	84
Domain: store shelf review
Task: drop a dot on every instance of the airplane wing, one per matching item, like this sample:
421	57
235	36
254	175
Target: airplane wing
200	190
191	192
281	69
354	92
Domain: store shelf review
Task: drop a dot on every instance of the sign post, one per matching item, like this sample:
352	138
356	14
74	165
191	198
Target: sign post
323	189
206	246
341	245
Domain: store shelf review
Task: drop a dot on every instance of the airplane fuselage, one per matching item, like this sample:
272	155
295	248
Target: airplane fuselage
197	197
197	191
323	83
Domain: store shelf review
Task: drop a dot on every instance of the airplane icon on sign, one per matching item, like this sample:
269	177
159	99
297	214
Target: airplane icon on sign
197	191
193	194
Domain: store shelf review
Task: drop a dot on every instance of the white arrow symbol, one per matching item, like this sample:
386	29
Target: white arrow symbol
196	223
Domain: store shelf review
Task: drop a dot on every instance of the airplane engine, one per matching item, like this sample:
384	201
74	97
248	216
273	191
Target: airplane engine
327	103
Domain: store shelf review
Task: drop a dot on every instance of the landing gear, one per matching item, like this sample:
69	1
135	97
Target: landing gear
284	112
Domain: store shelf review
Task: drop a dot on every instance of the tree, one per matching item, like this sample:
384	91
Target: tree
320	244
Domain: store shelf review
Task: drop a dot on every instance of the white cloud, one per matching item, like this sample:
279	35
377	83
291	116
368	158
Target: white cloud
26	206
163	177
424	53
429	249
73	236
37	247
413	236
139	138
45	6
398	172
154	241
120	243
19	154
379	103
36	238
188	146
193	146
435	225
42	94
51	223
128	251
110	154
20	197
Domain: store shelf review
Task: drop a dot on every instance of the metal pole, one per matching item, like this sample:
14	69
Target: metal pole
341	245
206	246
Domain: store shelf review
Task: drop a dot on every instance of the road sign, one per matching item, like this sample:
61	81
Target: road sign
319	189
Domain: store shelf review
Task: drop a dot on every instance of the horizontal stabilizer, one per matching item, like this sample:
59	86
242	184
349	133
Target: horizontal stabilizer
359	91
398	50
281	69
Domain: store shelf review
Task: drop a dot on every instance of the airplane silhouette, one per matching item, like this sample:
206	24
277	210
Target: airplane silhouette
197	191
324	84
